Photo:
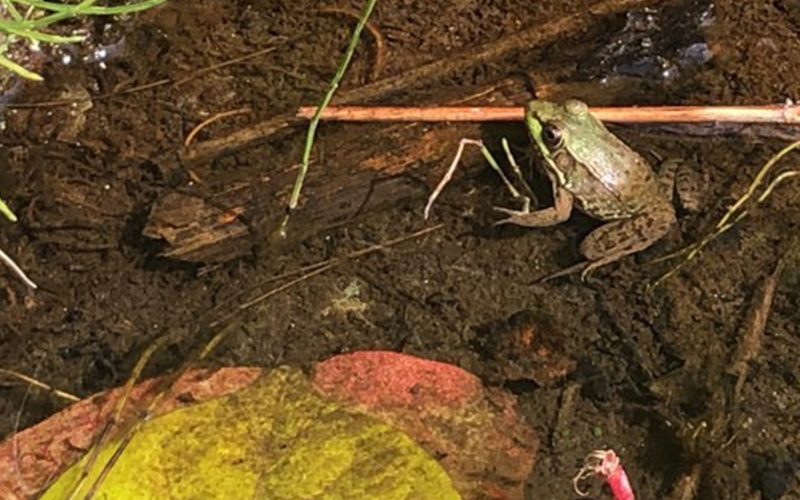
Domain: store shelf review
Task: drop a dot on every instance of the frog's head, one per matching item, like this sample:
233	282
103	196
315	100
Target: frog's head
560	132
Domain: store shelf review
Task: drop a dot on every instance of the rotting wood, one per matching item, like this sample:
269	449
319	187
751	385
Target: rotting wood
385	167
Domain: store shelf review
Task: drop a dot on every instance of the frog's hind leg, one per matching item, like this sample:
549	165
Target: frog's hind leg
621	238
691	186
558	213
676	176
666	177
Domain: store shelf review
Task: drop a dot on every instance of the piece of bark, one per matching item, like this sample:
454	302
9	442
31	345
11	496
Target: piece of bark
386	166
197	230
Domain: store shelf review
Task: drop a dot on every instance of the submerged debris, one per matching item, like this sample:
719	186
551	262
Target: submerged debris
605	464
656	44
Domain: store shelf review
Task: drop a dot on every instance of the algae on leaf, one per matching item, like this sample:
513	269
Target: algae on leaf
278	439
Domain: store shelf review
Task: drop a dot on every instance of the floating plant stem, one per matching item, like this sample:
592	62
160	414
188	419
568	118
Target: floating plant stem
12	9
312	127
769	113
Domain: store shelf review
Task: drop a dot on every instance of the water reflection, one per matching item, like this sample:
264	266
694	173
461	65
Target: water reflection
656	44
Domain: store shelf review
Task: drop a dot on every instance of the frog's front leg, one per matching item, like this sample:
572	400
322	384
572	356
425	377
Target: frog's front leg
526	202
558	213
617	239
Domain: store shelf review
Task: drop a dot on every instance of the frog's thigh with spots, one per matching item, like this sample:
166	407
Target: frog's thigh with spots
617	239
677	176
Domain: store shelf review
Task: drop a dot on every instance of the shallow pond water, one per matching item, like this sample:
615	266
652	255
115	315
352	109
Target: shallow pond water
644	369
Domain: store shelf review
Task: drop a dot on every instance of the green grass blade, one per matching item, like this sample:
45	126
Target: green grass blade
82	9
13	28
334	84
12	9
21	71
7	211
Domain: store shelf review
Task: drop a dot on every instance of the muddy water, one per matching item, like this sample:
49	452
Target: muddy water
647	367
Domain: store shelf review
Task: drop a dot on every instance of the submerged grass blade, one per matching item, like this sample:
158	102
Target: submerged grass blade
91	10
14	28
12	9
7	211
24	73
334	84
735	214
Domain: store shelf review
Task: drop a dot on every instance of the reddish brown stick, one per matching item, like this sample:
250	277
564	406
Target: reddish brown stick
778	113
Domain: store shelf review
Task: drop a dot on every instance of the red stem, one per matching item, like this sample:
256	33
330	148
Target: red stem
775	113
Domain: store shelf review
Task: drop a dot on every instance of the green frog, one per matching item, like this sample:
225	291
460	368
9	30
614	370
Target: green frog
592	169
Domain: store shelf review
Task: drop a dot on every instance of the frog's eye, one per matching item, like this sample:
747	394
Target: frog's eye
552	137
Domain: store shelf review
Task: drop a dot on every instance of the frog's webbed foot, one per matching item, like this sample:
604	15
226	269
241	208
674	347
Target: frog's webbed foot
515	216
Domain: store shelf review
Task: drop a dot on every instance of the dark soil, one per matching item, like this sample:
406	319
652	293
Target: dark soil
645	374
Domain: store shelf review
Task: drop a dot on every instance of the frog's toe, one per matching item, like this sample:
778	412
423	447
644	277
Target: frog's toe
692	188
512	212
514	216
593	266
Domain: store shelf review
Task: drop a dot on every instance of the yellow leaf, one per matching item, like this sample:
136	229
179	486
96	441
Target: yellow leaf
278	439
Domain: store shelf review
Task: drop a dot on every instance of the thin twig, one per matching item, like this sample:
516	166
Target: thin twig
8	261
777	113
208	121
321	267
32	381
750	344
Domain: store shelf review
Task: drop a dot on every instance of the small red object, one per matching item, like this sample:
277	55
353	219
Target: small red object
605	464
